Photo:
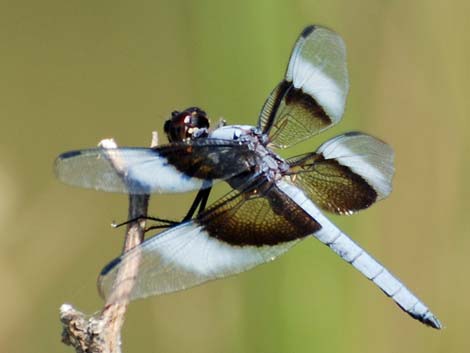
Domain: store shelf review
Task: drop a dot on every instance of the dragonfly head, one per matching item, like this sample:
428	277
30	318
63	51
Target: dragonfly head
189	124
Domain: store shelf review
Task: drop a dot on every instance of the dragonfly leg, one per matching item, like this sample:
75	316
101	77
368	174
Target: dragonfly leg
200	201
155	219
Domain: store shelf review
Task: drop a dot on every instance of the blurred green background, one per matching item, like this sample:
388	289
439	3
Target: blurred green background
74	72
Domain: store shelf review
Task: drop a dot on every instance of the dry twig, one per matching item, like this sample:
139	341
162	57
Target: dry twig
102	333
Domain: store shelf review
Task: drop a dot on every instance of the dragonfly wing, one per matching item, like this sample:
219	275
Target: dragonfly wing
241	230
183	257
178	167
348	173
312	96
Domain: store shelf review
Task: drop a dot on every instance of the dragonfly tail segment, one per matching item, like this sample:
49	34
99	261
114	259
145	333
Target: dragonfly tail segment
352	253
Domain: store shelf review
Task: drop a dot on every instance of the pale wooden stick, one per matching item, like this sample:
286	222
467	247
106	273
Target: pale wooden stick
102	333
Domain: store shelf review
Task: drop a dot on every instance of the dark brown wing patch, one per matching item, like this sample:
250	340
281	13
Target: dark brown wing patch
209	158
271	106
290	115
312	95
259	215
300	117
332	186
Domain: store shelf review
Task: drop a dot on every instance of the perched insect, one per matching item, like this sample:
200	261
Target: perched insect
275	202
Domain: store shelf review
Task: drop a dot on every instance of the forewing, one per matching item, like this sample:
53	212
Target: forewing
173	168
312	96
347	173
240	231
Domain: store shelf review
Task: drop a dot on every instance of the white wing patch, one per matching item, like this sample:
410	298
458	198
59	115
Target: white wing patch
136	170
321	87
185	256
318	66
366	156
158	176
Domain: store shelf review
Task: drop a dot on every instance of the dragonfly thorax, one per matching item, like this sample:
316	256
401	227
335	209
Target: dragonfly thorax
235	133
268	163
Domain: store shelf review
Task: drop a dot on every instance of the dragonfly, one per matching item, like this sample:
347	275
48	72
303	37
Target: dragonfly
274	202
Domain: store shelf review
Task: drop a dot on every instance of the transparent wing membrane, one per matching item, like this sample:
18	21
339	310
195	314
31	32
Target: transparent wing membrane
178	167
313	94
348	173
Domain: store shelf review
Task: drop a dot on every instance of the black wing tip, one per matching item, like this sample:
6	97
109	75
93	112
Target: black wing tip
69	154
307	31
111	265
354	133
